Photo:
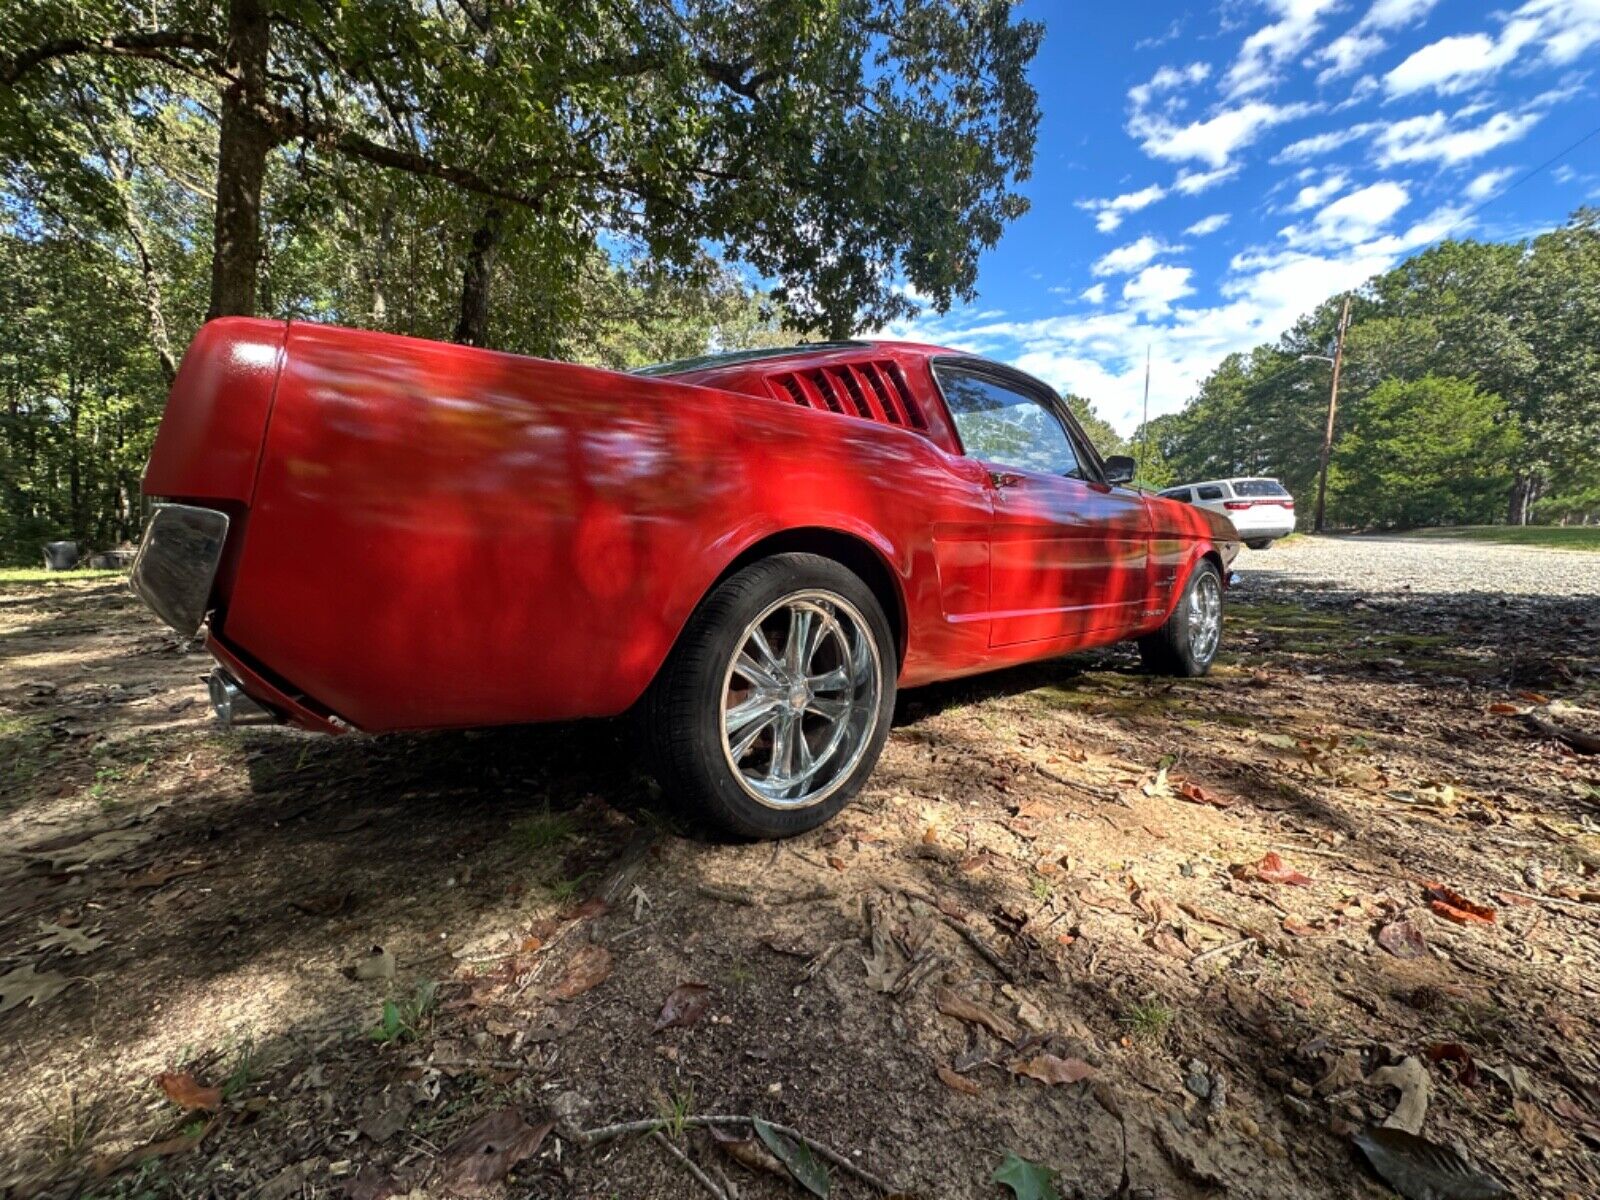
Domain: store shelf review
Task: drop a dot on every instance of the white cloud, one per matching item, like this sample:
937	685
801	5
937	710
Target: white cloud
1314	194
1558	31
1393	14
1355	218
1095	294
1152	291
1321	143
1265	50
1168	79
1453	64
1345	54
1430	138
1207	225
1126	259
1486	184
1192	183
1109	213
1214	141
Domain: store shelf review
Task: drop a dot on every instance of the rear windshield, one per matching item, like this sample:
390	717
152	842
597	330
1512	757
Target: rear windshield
1258	487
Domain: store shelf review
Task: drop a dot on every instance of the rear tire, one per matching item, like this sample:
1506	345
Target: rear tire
1259	543
1187	644
773	707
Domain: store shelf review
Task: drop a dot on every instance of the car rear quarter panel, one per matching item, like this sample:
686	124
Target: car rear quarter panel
449	537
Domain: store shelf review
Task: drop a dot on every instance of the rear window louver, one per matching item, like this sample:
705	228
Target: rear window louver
875	390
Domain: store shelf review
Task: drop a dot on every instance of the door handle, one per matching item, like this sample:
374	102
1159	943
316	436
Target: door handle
1004	479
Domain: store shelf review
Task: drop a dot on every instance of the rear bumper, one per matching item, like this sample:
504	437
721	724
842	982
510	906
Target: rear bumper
177	563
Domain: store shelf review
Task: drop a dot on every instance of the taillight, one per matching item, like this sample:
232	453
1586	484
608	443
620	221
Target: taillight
1287	503
1235	505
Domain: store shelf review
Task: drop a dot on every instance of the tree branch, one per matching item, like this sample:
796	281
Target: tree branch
125	45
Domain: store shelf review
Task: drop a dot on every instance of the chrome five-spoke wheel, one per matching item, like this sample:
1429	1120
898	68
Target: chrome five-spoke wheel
1205	616
776	701
800	699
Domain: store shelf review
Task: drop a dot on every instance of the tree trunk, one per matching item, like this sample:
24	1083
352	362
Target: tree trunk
241	164
473	327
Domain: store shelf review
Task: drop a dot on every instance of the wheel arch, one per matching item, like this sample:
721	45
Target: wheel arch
867	561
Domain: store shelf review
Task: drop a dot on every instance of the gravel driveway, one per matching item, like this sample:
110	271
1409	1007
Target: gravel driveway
1431	566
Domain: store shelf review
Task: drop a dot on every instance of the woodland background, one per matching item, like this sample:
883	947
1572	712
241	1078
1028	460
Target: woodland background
619	185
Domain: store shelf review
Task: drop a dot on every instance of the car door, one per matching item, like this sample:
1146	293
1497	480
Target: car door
1212	496
1068	554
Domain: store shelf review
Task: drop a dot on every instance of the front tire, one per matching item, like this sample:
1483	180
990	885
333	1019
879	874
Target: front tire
1187	643
775	704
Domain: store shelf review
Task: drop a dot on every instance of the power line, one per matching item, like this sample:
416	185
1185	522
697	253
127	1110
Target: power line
1509	188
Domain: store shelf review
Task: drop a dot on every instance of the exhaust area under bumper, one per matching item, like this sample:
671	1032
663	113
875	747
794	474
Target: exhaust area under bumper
233	705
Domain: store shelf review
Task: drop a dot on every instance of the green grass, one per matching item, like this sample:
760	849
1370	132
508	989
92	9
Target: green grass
22	576
1557	537
1148	1021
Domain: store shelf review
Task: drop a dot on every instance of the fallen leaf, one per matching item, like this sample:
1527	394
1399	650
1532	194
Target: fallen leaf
1271	869
186	1092
24	985
1402	939
1411	1079
954	1004
1027	1180
685	1005
1538	1129
489	1149
1298	926
1196	794
1157	786
747	1151
165	1148
1534	697
1047	1068
1453	906
1466	1068
957	1083
803	1165
70	941
1163	939
1422	1170
589	909
589	968
1503	709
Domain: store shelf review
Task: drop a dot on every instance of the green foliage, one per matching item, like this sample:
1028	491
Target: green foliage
1027	1180
618	173
1429	452
402	1019
1513	322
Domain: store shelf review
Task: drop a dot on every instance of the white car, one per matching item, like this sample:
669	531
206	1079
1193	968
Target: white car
1261	509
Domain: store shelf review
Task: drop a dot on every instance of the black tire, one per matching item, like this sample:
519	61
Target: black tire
1259	543
684	708
1170	650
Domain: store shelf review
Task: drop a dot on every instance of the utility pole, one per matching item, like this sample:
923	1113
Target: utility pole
1333	408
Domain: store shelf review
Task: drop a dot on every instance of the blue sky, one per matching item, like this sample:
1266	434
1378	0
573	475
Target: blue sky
1207	173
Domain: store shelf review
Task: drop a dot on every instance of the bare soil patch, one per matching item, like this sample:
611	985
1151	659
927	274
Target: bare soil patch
1052	926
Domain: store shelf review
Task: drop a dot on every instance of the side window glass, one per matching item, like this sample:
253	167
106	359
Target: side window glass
1006	427
1181	494
1209	493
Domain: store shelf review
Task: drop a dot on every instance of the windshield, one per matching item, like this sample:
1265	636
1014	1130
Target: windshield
1258	487
730	357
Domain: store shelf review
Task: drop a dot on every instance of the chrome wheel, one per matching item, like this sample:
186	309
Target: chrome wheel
1205	616
800	699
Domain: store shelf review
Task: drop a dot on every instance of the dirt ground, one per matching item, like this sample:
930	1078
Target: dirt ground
1048	928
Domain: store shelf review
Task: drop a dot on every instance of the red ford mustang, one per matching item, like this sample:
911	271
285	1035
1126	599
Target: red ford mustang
751	550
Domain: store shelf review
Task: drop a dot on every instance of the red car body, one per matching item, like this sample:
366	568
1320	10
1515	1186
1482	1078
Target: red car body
424	535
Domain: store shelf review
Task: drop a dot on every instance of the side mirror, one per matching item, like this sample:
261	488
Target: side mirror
1121	468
